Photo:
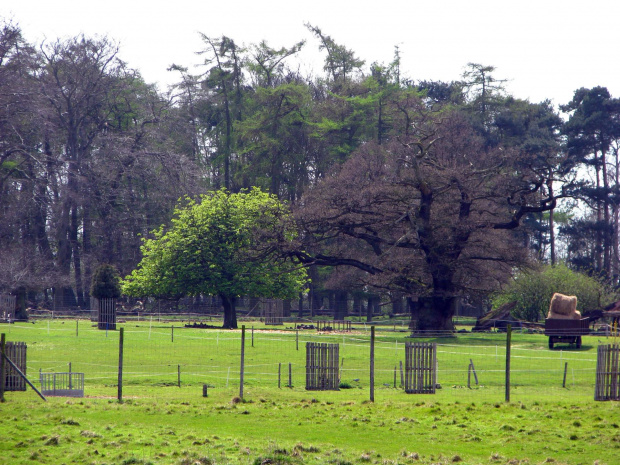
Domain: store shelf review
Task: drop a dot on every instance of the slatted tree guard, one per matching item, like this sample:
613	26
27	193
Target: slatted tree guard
607	373
106	313
273	312
7	306
420	367
16	352
322	367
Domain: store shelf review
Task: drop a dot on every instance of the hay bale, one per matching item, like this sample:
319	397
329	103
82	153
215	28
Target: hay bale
557	316
563	307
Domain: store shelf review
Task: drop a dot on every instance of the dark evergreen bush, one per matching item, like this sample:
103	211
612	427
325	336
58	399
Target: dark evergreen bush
106	283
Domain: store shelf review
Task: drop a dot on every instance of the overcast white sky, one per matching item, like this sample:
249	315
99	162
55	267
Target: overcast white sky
546	48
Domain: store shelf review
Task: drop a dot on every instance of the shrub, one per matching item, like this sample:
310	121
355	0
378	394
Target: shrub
532	290
106	283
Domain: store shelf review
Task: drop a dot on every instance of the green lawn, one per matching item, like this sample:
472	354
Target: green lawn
160	422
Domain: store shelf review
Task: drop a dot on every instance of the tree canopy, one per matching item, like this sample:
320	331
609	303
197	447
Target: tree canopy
225	244
428	189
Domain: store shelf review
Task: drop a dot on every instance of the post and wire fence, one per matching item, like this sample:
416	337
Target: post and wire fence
152	360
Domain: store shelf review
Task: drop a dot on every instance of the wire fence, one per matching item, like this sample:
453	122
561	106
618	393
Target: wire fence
167	360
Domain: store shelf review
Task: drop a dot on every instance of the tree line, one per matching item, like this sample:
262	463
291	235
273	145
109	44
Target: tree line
401	190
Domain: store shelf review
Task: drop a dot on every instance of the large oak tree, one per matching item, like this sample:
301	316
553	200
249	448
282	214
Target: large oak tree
432	213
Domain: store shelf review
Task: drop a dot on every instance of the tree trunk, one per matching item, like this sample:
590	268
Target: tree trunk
286	308
551	224
357	305
340	305
434	315
230	312
397	305
372	303
20	304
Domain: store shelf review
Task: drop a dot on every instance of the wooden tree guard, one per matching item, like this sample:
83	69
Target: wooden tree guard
334	325
16	351
106	313
607	373
273	312
322	368
7	306
420	363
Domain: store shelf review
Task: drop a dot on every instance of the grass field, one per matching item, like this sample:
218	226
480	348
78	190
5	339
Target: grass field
160	422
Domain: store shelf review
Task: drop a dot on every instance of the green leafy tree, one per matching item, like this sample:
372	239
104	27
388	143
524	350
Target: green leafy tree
226	245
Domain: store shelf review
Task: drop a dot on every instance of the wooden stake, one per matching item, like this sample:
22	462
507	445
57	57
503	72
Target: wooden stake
565	369
372	363
2	376
242	362
290	375
508	337
395	368
120	365
473	368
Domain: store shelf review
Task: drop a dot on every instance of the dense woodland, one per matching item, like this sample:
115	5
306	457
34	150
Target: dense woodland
402	190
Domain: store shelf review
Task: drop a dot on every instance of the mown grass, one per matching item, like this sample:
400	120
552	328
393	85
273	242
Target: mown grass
159	422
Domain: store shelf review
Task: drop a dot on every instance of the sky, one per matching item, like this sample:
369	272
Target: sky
545	49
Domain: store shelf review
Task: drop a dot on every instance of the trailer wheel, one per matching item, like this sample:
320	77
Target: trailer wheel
578	342
551	342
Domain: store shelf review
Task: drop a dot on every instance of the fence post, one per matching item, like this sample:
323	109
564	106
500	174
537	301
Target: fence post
242	362
473	368
565	369
179	375
290	375
372	363
508	337
279	374
77	327
2	365
297	339
402	376
395	368
120	365
252	336
172	333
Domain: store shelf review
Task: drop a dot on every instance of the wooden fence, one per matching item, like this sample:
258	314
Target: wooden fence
7	306
420	367
106	313
322	371
16	352
334	325
607	373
